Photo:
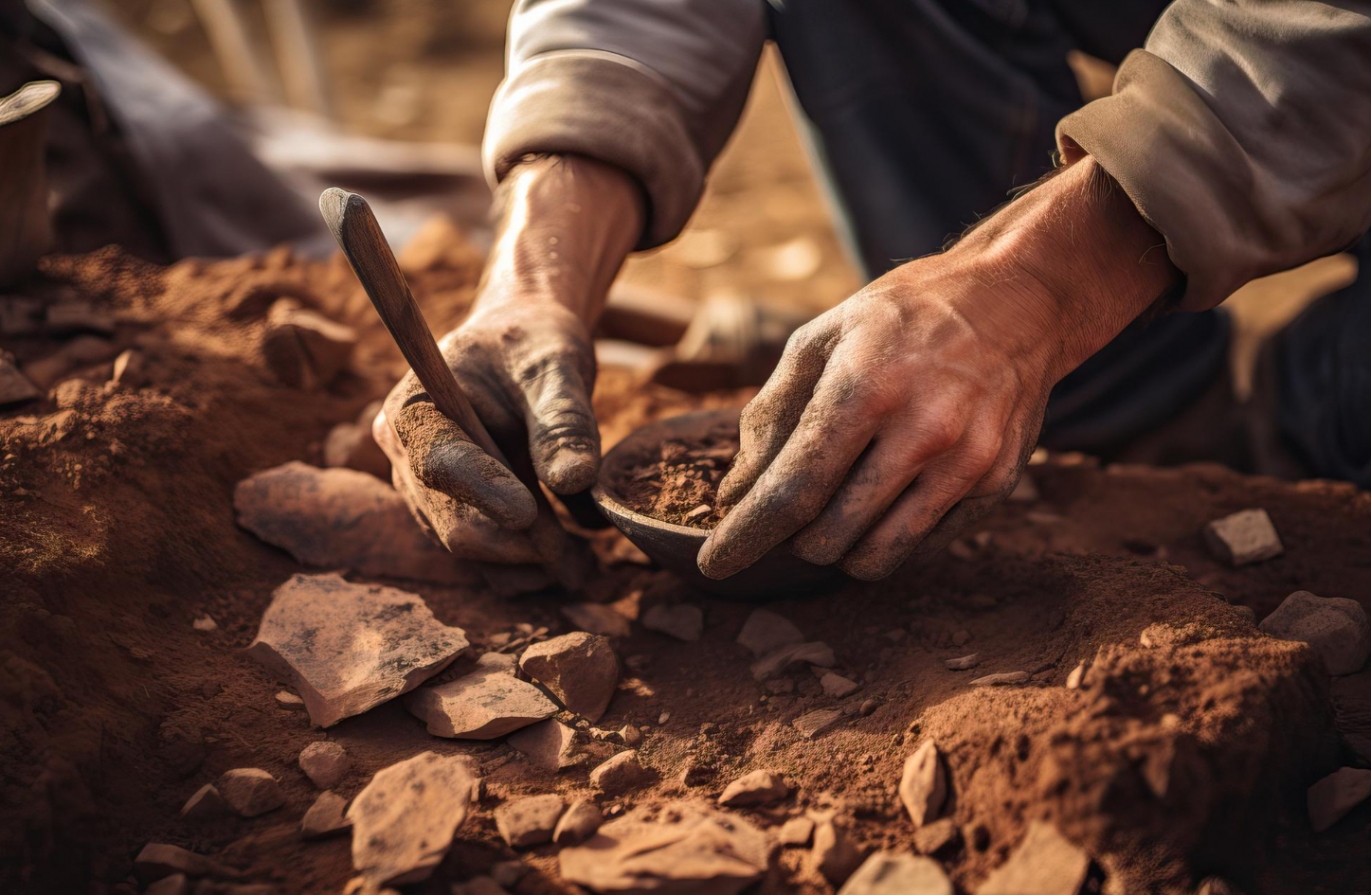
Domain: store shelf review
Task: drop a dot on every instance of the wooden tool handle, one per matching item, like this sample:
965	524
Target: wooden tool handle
360	238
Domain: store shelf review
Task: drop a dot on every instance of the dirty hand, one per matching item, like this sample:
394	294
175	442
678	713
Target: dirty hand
525	358
899	417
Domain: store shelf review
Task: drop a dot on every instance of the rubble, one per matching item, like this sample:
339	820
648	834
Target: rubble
1245	537
1001	679
796	832
578	823
580	669
893	873
482	705
760	787
251	791
324	763
765	631
158	860
933	838
1335	795
687	848
836	685
683	621
404	820
597	618
1045	863
834	855
777	661
619	774
529	821
14	386
1335	628
205	804
303	348
923	785
811	724
549	745
325	817
962	663
366	644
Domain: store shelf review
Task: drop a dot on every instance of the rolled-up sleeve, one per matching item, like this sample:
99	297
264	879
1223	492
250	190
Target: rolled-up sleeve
654	87
1242	132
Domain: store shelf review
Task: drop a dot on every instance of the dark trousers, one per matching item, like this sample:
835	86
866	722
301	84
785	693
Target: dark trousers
924	114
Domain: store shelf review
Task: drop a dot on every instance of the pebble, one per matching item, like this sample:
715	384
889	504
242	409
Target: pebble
597	618
158	860
868	707
251	791
1335	795
619	774
935	837
482	705
529	821
663	718
1001	679
760	787
963	663
325	763
1335	628
1045	863
1245	537
923	784
811	724
288	700
1076	677
683	621
205	623
581	670
404	820
776	662
549	745
834	855
325	817
836	685
406	644
206	804
796	832
630	735
894	873
765	631
128	368
577	824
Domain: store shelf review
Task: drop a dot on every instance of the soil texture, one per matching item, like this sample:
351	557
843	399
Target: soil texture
678	484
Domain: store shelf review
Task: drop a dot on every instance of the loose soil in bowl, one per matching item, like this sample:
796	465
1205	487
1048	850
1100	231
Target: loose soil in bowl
677	482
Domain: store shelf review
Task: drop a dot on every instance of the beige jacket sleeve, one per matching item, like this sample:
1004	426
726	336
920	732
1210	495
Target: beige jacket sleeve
1243	135
654	87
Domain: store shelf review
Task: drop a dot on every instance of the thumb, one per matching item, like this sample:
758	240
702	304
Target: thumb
563	439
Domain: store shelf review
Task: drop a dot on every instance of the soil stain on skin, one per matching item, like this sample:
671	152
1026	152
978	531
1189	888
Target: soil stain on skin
678	483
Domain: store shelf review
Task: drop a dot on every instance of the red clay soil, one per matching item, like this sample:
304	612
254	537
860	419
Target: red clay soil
677	484
1173	761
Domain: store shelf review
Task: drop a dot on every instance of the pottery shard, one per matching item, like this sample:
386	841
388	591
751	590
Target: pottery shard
1045	863
206	804
578	824
325	817
580	669
765	631
689	849
682	621
348	647
404	820
777	661
756	788
1244	537
251	791
483	705
550	745
1336	629
14	386
1335	795
529	821
341	518
325	763
923	785
834	855
303	348
597	618
892	873
158	860
619	774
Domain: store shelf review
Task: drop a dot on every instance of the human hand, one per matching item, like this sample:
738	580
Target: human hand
901	416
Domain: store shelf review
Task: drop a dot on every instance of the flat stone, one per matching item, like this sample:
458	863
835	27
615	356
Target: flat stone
834	855
776	662
158	860
682	621
597	618
288	700
1335	628
923	784
577	824
811	724
757	788
206	804
483	705
619	774
688	848
1045	863
303	348
342	519
765	631
325	763
963	663
404	820
580	669
251	791
893	873
349	647
1245	537
550	745
529	821
15	387
1001	679
933	838
325	817
1335	795
176	884
836	685
796	832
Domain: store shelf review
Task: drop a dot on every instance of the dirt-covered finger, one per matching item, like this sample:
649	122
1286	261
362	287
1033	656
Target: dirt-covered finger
893	539
563	437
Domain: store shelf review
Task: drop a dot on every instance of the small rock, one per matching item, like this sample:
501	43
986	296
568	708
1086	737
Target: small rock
834	855
892	873
597	618
176	884
128	368
404	820
1244	537
251	791
325	763
923	785
963	663
508	873
483	705
325	817
406	645
796	832
619	774
303	348
206	804
765	632
578	824
630	735
549	745
811	724
158	860
1045	863
836	685
756	788
1001	679
776	662
529	821
1335	795
288	700
1076	677
205	623
580	669
1335	628
14	386
936	837
868	707
663	718
682	621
